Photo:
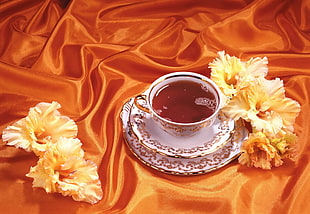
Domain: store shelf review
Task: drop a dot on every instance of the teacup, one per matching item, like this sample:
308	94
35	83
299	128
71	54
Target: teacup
181	103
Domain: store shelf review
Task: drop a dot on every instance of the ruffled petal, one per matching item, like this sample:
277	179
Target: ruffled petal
274	88
238	107
233	75
83	184
19	135
288	109
224	71
43	176
263	151
269	122
257	151
257	67
63	169
42	122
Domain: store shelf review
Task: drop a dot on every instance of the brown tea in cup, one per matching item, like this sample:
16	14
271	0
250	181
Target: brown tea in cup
181	103
184	102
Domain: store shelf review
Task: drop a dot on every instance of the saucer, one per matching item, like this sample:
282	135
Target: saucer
206	141
180	166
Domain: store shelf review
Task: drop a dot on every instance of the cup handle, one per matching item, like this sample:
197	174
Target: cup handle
139	106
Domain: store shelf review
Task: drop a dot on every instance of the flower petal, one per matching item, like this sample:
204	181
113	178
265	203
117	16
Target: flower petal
257	151
265	106
257	67
43	121
63	169
19	135
43	177
275	88
288	109
286	144
269	122
84	184
224	70
238	107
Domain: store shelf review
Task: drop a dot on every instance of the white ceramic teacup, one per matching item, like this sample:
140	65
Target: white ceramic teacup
180	128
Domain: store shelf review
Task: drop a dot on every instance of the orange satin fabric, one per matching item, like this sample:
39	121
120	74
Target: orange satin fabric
92	56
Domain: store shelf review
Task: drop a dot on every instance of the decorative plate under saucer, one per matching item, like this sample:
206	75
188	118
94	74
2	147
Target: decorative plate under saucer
206	141
180	166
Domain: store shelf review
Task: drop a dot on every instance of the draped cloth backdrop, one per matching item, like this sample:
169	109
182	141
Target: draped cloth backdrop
92	56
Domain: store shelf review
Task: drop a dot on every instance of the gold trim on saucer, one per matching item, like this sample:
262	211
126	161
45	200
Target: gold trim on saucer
146	139
181	166
180	156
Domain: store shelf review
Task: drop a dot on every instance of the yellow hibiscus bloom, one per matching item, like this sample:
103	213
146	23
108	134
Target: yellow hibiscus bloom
263	151
232	75
62	169
258	152
42	122
265	106
224	72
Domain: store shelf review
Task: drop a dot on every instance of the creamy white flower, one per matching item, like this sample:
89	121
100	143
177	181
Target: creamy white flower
264	105
43	121
232	75
62	168
224	72
257	151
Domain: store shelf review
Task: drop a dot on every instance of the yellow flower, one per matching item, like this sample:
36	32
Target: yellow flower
62	168
265	106
224	72
257	151
263	151
285	143
232	75
262	103
42	122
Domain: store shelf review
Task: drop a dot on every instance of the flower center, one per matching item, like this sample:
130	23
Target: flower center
231	80
66	174
41	134
266	115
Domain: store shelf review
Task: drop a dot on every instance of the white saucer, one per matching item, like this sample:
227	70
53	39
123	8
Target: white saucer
206	141
180	166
